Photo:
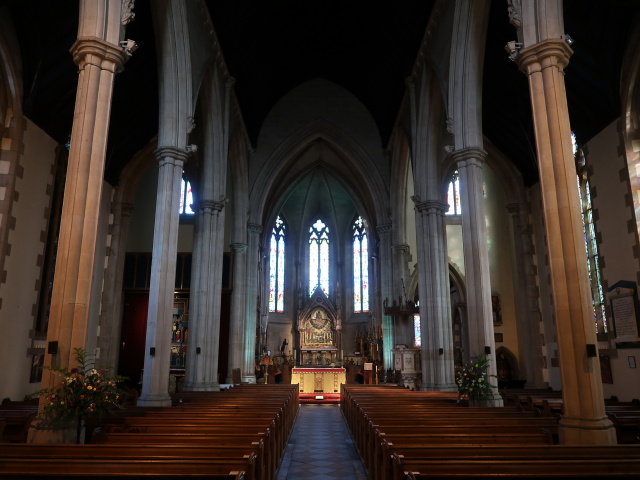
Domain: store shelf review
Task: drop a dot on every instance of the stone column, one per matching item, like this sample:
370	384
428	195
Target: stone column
476	257
435	303
403	325
584	420
155	380
385	290
238	308
98	62
111	316
249	346
201	371
526	293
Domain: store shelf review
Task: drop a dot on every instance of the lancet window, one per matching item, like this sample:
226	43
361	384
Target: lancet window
319	257
453	195
186	197
360	266
590	241
276	266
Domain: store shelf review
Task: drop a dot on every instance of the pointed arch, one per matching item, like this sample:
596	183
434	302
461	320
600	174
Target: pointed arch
356	170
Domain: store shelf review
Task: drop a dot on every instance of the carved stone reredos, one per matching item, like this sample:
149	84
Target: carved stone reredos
317	300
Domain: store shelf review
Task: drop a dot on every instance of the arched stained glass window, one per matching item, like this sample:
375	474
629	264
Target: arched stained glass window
360	267
417	331
319	257
276	267
591	244
186	198
453	195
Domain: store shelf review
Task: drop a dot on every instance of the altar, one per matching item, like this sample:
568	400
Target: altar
319	380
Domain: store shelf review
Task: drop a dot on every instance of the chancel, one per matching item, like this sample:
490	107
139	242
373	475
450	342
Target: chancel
420	217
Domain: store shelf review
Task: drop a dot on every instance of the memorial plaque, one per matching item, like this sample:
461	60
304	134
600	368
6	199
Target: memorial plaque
624	316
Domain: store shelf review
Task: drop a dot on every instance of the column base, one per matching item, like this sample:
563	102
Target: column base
248	379
154	401
587	431
202	387
438	387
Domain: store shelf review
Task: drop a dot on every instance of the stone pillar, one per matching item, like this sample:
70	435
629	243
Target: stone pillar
584	420
111	316
249	346
98	62
435	303
403	325
385	290
476	258
155	380
238	308
526	293
201	371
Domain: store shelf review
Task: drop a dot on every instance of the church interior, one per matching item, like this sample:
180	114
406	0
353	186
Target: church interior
327	196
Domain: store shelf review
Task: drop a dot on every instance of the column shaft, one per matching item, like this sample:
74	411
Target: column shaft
476	257
435	302
155	380
253	258
238	309
98	62
584	420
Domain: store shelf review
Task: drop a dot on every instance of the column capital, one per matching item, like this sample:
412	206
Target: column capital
173	155
401	248
254	228
213	205
469	156
125	208
429	206
383	229
102	54
548	53
239	248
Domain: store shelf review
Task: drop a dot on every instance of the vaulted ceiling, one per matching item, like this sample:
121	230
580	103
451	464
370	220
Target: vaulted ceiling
368	48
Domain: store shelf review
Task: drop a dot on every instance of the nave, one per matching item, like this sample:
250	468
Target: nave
320	447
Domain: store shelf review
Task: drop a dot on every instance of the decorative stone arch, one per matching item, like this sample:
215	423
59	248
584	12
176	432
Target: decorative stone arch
356	165
507	365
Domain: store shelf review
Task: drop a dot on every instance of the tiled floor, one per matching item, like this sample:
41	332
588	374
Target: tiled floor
320	447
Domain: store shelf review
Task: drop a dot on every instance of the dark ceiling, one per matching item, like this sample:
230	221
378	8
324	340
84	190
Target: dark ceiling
368	48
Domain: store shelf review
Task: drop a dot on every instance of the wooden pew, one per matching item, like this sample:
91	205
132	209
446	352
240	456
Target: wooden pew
470	453
550	469
404	454
213	433
87	452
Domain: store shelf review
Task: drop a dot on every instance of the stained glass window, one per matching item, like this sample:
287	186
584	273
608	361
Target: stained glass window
417	332
590	242
186	198
360	267
276	267
453	195
319	257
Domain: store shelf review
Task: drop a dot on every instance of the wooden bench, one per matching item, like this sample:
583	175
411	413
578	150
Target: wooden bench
216	435
470	453
87	452
506	468
417	439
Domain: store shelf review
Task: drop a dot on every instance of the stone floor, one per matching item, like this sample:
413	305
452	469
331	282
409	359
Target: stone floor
320	448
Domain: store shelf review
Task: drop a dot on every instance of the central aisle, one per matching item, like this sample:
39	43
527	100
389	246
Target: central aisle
320	447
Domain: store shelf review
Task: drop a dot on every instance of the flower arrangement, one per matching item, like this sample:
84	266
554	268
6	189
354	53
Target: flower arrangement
474	381
83	391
